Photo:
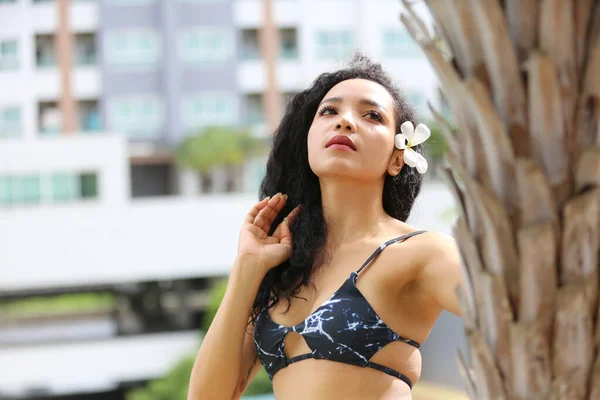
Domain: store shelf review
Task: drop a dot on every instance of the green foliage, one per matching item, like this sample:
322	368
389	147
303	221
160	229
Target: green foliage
174	386
217	146
217	293
260	384
435	146
60	304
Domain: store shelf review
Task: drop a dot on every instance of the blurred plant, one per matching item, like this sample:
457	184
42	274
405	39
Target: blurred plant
436	145
59	304
218	146
174	386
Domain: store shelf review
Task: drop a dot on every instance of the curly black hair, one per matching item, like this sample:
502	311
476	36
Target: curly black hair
288	172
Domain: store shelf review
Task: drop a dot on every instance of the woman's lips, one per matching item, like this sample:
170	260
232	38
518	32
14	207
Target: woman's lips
341	142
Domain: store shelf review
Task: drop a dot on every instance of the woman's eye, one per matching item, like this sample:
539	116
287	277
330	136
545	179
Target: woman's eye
327	111
374	115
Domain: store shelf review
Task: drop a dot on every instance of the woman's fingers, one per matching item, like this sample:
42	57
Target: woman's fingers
267	215
256	209
283	229
294	214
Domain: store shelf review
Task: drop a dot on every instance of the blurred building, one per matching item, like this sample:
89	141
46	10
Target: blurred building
96	96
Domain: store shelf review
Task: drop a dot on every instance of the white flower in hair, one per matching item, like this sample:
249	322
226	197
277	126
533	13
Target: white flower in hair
412	137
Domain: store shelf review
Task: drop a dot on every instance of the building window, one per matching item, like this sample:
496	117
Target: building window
138	117
63	187
254	110
289	43
9	55
88	184
31	188
397	43
334	45
204	110
49	118
128	2
417	100
132	48
89	116
85	49
20	189
444	107
249	45
69	187
206	46
45	51
10	122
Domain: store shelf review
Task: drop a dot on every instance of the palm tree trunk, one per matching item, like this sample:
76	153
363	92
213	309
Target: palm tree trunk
522	80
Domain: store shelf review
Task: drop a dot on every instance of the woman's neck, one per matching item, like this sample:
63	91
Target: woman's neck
353	210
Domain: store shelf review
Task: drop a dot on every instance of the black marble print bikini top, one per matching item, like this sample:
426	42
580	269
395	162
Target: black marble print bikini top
345	329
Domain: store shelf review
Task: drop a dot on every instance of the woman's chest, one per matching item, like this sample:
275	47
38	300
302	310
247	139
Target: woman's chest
337	287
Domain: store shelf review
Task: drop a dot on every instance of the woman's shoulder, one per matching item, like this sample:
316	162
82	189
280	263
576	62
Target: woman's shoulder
422	246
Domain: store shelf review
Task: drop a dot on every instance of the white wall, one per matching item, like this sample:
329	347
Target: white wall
162	238
105	154
92	365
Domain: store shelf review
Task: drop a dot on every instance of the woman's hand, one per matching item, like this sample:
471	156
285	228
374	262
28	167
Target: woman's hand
255	242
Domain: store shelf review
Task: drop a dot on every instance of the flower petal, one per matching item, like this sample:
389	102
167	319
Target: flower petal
407	129
410	157
421	163
421	134
400	141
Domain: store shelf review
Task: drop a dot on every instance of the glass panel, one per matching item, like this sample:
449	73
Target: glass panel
417	100
5	191
31	189
89	116
399	44
250	47
10	122
127	2
289	44
334	45
50	119
130	48
88	184
254	109
9	55
137	117
62	187
45	52
205	110
210	46
85	49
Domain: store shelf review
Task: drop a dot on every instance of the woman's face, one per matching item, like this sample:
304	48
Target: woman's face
363	112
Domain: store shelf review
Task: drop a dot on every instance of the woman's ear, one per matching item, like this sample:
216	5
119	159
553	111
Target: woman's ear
396	163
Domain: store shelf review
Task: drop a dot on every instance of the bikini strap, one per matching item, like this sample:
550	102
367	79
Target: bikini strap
386	244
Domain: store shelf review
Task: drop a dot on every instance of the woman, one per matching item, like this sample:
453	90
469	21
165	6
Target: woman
327	257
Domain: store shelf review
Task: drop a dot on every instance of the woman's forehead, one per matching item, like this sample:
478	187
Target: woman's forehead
354	89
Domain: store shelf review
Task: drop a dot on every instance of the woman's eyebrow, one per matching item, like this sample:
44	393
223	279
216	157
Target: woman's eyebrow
365	101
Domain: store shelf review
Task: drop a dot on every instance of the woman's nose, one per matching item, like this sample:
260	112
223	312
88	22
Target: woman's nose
346	123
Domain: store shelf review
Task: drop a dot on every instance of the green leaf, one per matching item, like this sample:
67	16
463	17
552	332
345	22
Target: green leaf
217	146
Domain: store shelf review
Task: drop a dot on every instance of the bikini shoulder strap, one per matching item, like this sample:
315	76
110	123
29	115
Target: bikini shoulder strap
386	244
